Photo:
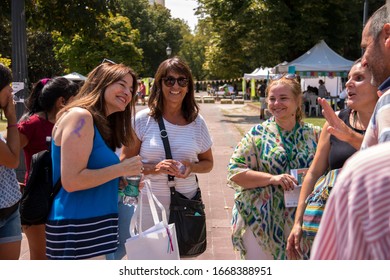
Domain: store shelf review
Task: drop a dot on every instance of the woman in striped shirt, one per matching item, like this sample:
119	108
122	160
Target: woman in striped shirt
172	99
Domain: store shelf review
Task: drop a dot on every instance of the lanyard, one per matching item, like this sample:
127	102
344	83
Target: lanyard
287	147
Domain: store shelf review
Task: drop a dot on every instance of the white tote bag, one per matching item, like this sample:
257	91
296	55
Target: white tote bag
156	243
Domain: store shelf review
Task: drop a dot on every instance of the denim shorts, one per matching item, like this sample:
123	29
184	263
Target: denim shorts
10	228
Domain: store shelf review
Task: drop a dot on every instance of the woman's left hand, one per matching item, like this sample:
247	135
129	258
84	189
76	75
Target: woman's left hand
294	251
287	181
167	166
187	171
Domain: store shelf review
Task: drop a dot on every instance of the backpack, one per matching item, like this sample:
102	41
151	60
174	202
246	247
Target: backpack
39	192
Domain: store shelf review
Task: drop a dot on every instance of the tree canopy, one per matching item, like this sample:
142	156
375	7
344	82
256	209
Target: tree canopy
232	37
248	34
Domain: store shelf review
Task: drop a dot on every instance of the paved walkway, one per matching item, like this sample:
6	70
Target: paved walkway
226	123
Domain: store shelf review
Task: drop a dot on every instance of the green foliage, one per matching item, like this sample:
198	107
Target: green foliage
114	39
156	36
68	16
192	51
5	61
157	30
42	61
5	28
252	33
232	37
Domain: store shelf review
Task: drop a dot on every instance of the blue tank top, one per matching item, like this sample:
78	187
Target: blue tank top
84	224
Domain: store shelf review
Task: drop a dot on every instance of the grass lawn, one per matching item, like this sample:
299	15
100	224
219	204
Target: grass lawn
316	121
3	125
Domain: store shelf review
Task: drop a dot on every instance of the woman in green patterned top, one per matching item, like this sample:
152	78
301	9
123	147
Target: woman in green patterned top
259	171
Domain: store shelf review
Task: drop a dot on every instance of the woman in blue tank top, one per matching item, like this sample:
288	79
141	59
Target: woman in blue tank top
83	222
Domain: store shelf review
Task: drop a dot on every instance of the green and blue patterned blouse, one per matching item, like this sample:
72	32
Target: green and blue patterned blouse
262	209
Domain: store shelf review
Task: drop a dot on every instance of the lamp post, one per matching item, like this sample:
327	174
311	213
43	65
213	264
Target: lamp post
365	11
19	65
169	51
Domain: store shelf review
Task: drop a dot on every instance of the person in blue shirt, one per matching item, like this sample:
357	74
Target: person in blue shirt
83	222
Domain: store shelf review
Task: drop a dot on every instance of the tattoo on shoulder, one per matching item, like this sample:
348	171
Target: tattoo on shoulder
79	126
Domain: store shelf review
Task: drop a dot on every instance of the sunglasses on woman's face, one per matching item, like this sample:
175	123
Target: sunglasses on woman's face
170	81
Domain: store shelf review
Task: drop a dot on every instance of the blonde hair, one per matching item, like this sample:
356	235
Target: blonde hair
295	88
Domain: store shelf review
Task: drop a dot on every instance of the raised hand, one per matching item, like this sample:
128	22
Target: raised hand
338	128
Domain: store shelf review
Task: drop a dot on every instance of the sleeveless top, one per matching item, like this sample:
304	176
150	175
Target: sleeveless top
340	151
9	187
84	224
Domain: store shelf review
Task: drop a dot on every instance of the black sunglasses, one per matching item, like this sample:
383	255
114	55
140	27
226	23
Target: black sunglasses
284	75
170	81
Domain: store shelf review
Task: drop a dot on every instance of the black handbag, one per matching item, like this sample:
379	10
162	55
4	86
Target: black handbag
188	214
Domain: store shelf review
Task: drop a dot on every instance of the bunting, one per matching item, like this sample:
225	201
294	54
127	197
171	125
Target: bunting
316	74
219	81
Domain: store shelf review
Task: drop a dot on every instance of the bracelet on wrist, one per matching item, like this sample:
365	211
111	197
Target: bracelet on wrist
12	125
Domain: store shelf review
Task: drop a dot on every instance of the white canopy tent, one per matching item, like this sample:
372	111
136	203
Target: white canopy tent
259	74
74	76
321	62
323	59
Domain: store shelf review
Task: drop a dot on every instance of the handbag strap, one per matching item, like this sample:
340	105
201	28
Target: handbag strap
56	187
138	211
167	148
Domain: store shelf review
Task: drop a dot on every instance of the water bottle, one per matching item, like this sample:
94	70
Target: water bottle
131	191
48	142
182	167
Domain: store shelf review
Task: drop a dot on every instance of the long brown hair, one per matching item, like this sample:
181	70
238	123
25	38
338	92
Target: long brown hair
189	107
116	129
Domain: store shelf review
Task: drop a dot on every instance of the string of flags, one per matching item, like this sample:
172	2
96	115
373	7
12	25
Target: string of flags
316	74
302	74
220	81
